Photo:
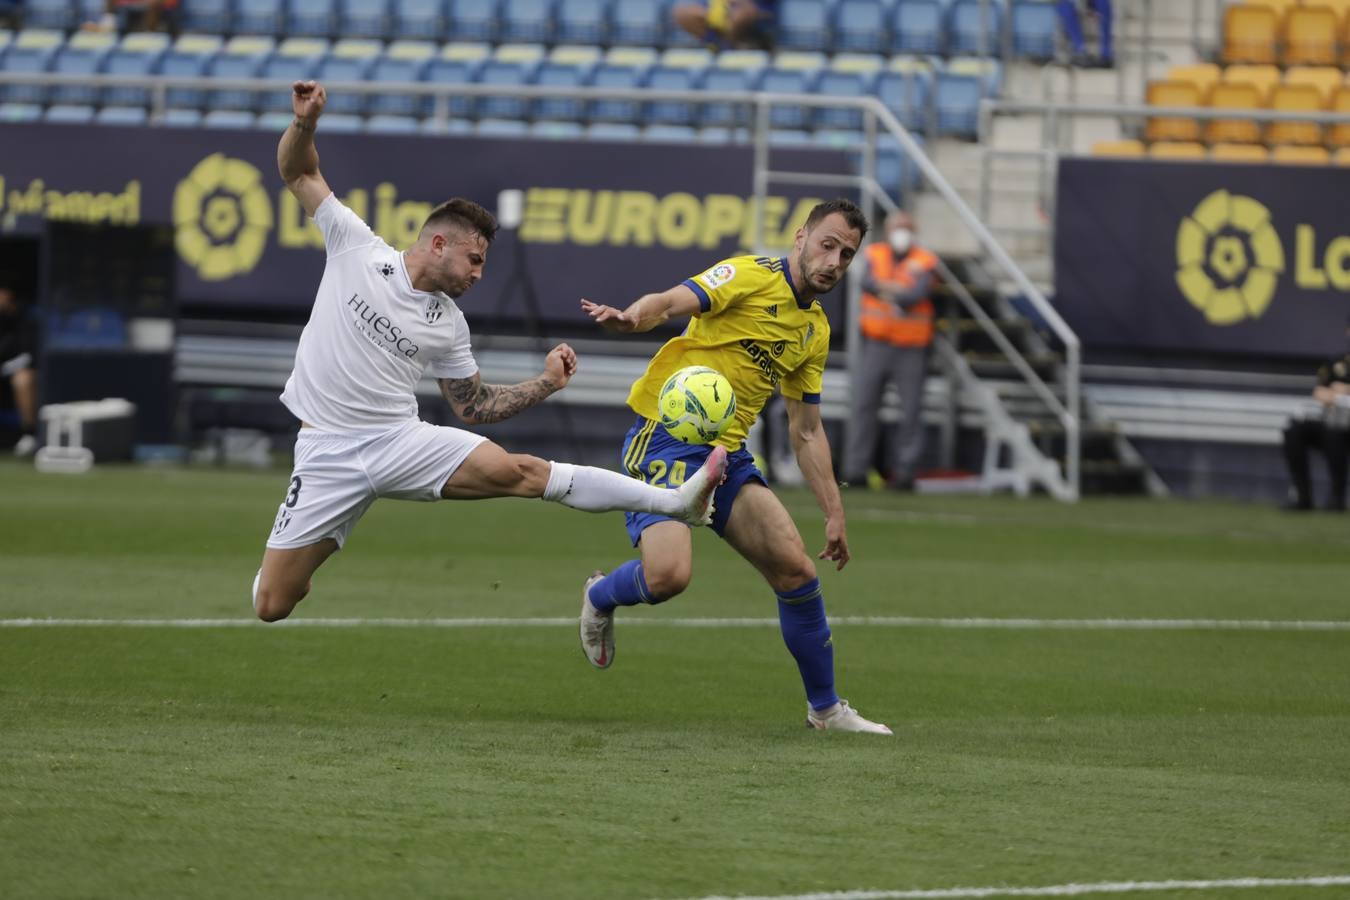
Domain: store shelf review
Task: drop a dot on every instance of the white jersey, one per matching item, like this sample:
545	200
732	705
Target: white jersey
371	335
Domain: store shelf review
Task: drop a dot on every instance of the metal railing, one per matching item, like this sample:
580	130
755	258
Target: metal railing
877	119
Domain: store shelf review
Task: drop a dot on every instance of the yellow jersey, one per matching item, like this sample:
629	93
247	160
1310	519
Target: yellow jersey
754	328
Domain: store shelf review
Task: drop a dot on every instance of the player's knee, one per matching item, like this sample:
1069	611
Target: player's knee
273	605
668	579
792	574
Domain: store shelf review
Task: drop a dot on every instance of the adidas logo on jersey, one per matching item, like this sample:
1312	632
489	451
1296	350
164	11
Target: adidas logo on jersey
773	310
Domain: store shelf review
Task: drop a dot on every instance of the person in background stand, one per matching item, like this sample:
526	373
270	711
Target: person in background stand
1328	428
18	366
1073	30
729	24
897	327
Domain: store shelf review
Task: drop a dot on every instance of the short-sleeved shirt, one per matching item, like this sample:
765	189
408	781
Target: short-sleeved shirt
756	329
371	335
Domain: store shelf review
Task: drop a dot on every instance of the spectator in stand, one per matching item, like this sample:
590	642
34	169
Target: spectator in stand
11	14
729	24
1326	425
18	366
1073	30
137	15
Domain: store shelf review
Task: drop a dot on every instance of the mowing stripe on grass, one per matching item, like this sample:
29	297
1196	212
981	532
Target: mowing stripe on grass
876	621
1060	890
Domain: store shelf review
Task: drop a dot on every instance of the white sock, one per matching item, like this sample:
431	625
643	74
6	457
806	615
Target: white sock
600	490
256	579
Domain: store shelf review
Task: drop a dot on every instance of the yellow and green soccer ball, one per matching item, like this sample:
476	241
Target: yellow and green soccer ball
697	404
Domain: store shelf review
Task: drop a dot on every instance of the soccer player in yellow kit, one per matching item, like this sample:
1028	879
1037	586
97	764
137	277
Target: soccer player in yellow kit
756	320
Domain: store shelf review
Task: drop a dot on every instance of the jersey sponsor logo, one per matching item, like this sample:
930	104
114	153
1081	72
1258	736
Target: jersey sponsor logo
778	348
718	275
380	329
762	358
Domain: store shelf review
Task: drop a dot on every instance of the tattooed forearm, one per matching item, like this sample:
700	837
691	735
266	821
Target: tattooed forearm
482	404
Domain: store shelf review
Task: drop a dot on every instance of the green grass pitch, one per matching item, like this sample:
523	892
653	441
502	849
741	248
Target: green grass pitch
492	762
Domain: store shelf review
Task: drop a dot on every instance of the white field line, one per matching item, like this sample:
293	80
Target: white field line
1061	890
861	621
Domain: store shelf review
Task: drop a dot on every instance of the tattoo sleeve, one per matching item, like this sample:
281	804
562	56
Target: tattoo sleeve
482	404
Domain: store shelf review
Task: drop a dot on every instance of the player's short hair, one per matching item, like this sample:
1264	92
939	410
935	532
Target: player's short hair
465	214
846	208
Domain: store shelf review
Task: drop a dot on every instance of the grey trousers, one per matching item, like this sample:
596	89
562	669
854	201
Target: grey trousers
880	363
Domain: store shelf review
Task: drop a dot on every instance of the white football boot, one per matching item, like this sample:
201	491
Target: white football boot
697	490
842	717
597	628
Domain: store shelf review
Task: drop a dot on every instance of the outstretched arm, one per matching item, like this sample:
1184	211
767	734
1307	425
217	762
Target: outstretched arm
482	404
812	449
297	159
646	312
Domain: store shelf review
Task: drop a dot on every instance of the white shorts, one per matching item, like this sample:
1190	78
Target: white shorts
337	476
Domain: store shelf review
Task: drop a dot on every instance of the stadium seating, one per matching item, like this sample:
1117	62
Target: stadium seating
1339	135
209	16
1172	92
418	20
1262	77
33	50
1035	24
1177	150
242	57
69	113
403	62
1327	79
679	69
581	22
189	57
916	26
566	67
905	87
1310	36
457	63
363	19
732	71
84	54
847	76
622	68
1121	148
637	22
1300	155
804	25
1203	75
295	59
258	17
127	116
139	53
526	21
1250	34
859	26
55	14
974	27
790	73
510	65
473	20
1234	96
1251	153
349	61
1295	97
310	18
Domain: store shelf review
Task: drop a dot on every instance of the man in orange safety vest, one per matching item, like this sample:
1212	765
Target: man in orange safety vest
897	326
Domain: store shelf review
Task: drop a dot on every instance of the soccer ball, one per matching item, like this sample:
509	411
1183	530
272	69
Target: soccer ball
697	404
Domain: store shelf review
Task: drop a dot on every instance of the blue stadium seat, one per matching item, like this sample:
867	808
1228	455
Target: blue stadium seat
804	24
969	31
735	71
241	57
258	17
403	62
382	124
453	126
210	16
277	122
791	73
456	64
182	118
139	53
20	112
679	70
189	57
229	118
122	115
363	18
57	14
83	55
558	131
956	103
69	113
310	18
93	327
637	22
511	64
905	88
860	26
525	21
349	60
916	26
346	123
670	134
502	128
33	50
296	59
566	67
850	76
1035	24
622	68
6	37
581	22
473	20
613	131
419	20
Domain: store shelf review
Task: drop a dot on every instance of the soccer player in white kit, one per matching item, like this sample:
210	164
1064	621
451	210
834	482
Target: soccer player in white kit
381	319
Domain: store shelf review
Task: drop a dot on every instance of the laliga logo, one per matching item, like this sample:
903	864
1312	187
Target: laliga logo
221	216
1228	258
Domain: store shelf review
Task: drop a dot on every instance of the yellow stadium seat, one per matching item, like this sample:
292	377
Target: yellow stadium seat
1250	34
1310	36
1325	78
1341	157
1118	148
1239	153
1238	131
1301	156
1280	6
1295	97
1177	150
1203	75
1263	78
1339	135
1173	93
1340	7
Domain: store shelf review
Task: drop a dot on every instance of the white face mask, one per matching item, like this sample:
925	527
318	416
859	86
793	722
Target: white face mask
901	240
